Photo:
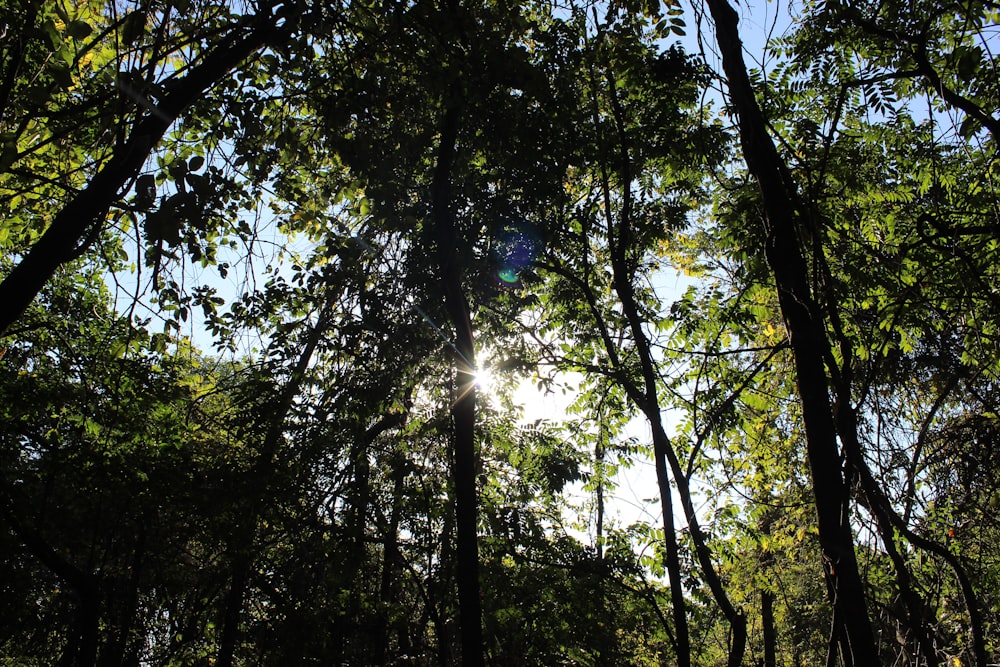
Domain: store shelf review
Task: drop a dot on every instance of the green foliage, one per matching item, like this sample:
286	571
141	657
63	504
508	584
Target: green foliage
287	498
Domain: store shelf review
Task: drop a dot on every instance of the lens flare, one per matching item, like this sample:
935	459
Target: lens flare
507	275
516	247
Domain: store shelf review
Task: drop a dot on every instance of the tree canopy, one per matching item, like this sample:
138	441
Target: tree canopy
256	259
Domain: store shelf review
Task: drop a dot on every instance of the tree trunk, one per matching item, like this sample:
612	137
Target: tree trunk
463	409
768	632
245	531
767	628
647	397
599	495
617	242
879	506
233	611
808	341
81	649
392	569
120	649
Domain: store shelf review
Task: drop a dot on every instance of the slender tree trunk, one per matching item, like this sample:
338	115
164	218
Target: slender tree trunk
117	651
463	410
879	506
441	599
618	242
620	238
233	611
770	637
392	568
889	522
734	616
599	494
245	532
808	341
671	553
358	640
81	649
976	620
671	556
768	632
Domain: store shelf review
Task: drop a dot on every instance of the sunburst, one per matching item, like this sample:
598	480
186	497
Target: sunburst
486	382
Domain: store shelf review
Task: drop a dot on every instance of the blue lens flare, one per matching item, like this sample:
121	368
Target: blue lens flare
507	275
517	245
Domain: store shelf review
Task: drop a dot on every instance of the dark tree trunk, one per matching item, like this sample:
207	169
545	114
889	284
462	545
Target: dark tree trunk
768	632
245	531
441	596
463	410
671	557
233	611
879	506
666	455
599	495
620	238
120	649
392	569
671	553
617	240
81	649
767	628
889	522
972	605
808	342
23	33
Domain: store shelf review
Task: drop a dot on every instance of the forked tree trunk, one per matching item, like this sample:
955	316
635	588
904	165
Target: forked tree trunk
808	340
620	237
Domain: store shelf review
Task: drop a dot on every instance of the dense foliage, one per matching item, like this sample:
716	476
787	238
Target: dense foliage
257	258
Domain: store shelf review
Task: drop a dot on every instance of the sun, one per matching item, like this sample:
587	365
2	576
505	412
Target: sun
486	382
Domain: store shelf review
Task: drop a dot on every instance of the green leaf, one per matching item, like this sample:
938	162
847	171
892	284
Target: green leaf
145	191
49	28
78	29
62	75
970	126
178	170
133	27
968	64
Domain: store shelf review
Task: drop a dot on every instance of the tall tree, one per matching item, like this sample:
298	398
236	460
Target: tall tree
807	336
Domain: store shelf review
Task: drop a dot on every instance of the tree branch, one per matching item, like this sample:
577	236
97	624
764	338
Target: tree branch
73	228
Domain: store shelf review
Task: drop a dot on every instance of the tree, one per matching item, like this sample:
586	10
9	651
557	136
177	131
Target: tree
78	220
808	340
113	448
